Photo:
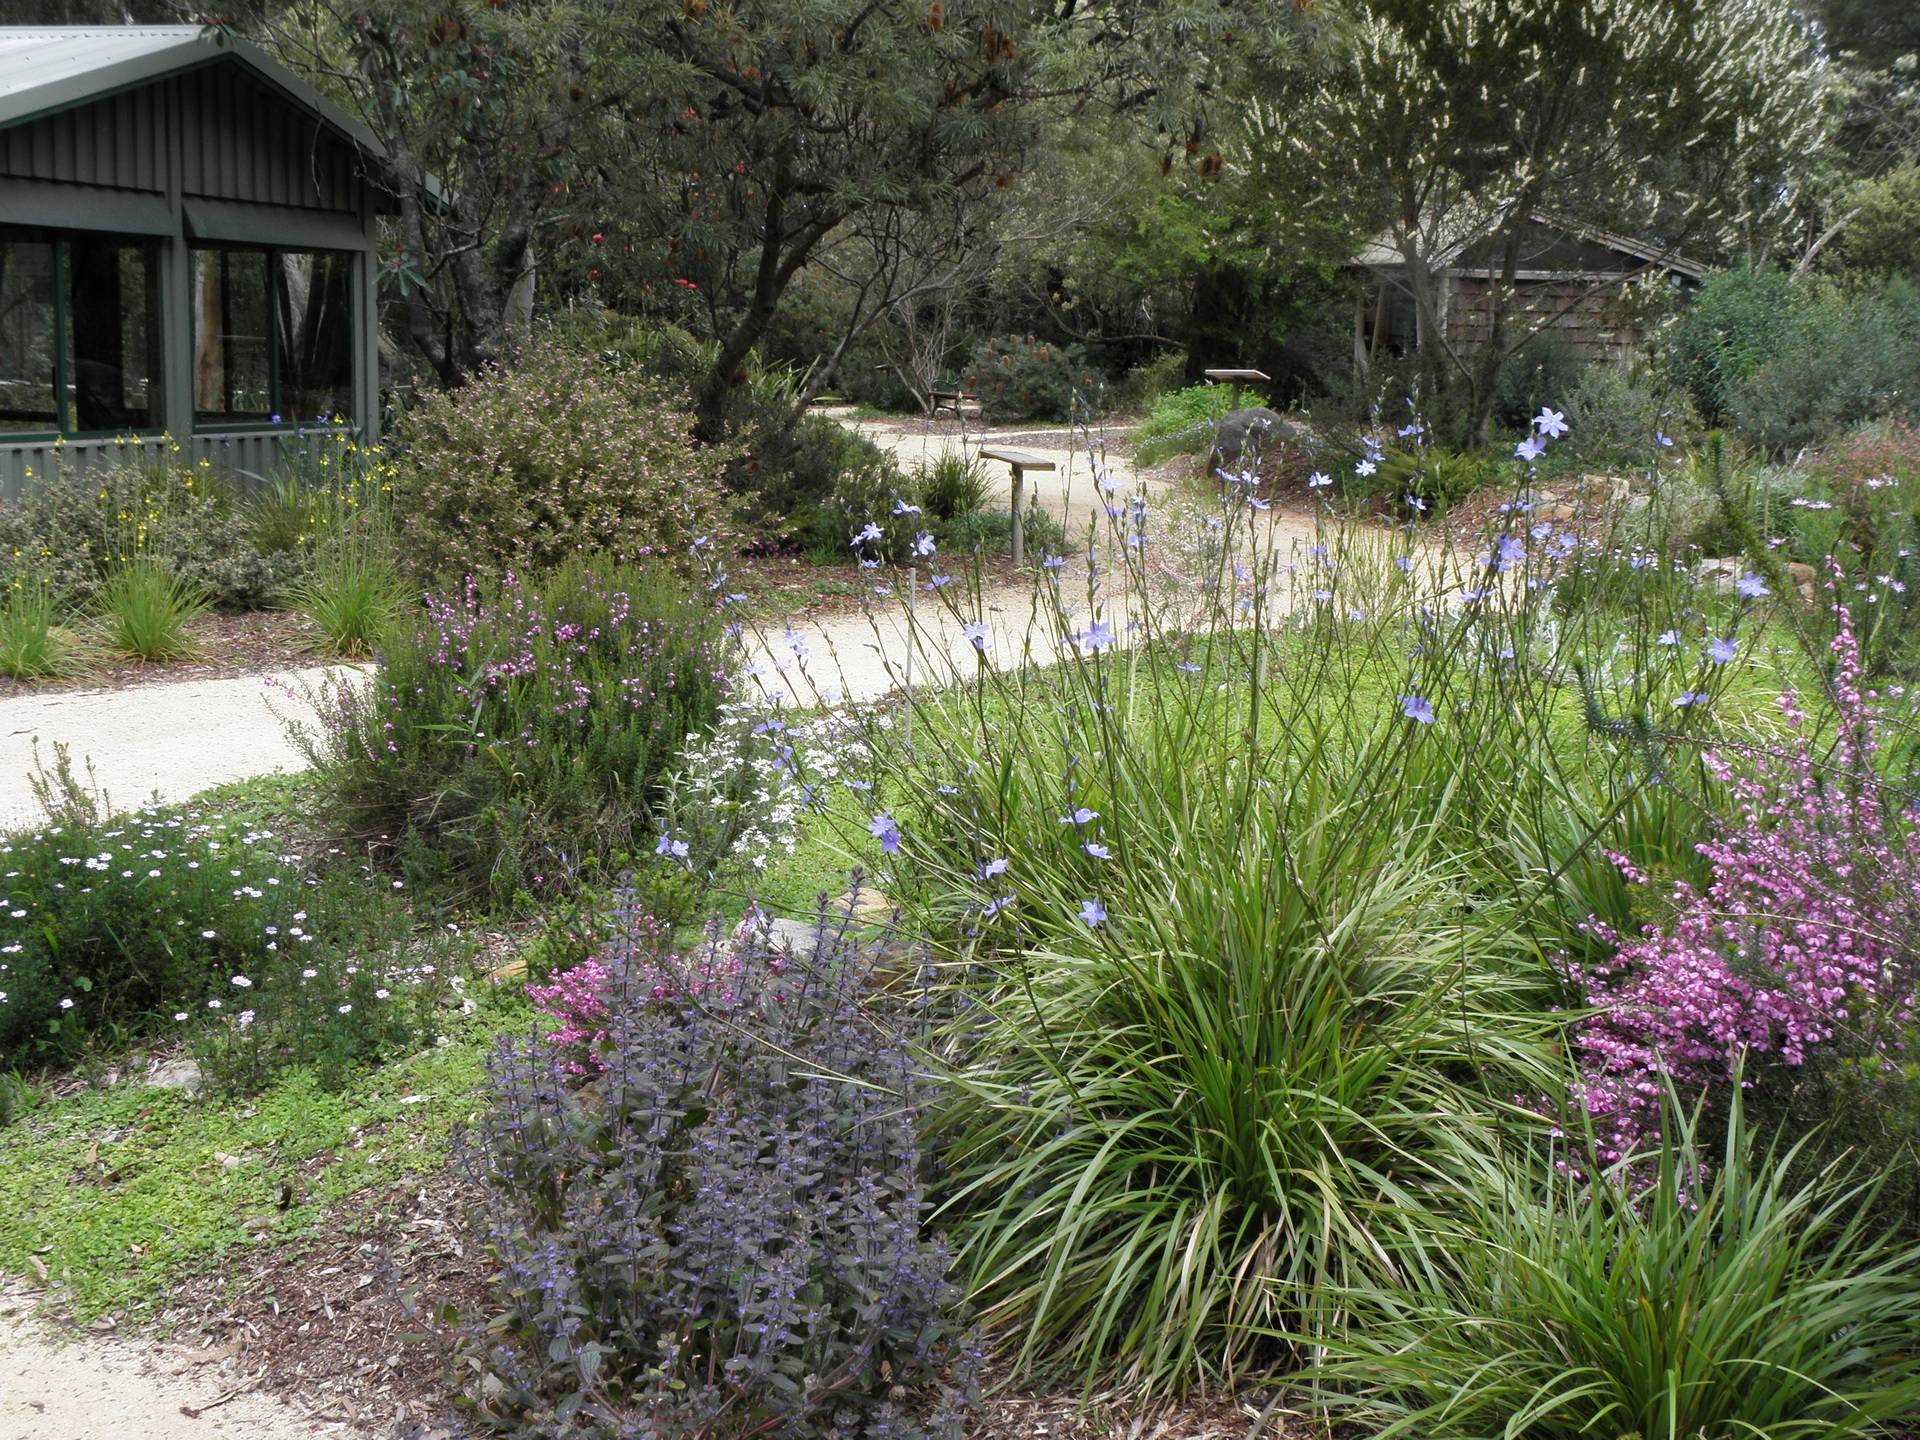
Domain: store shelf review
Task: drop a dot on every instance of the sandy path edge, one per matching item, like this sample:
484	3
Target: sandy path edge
57	1385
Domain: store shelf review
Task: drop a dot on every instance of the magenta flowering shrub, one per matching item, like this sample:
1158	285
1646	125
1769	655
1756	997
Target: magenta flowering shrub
576	1001
1800	950
633	965
524	727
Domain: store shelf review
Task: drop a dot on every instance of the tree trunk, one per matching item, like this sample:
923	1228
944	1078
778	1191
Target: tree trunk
781	255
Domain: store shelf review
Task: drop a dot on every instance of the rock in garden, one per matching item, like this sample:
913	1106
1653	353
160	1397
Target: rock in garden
1720	572
182	1075
866	903
1243	435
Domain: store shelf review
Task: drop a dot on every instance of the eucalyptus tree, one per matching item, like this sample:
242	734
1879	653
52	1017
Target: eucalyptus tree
721	143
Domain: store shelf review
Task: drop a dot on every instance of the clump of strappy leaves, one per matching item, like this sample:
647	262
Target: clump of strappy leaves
723	1231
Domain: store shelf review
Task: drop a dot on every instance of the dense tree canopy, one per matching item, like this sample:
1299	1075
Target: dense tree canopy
1435	126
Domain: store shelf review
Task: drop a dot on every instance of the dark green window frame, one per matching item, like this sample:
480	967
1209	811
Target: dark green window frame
207	422
63	339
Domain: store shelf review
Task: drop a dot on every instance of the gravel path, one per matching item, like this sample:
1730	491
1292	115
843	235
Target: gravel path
165	740
108	1388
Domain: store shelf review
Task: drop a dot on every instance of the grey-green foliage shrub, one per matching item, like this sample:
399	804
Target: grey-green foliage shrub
76	527
1617	412
549	457
1017	377
724	1231
781	464
1710	1294
1738	321
1843	361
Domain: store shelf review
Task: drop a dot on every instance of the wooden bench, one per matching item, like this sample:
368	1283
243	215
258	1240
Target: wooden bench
948	399
1019	461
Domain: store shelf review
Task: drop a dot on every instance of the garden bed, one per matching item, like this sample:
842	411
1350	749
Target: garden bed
226	645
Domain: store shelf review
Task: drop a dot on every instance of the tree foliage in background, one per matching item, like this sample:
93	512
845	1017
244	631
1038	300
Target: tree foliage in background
1435	126
698	155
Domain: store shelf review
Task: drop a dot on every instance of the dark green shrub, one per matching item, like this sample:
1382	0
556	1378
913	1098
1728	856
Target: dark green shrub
722	1234
1841	362
1142	386
523	728
871	489
1543	371
1020	378
552	457
951	485
991	531
790	478
1738	321
117	925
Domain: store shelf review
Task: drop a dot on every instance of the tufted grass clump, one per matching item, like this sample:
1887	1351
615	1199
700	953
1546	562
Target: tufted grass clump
34	643
1251	870
1718	1294
145	611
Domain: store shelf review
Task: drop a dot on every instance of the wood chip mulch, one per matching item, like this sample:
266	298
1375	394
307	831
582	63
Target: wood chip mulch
252	642
317	1322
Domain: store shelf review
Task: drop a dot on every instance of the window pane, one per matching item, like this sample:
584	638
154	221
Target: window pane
231	375
113	366
316	334
26	336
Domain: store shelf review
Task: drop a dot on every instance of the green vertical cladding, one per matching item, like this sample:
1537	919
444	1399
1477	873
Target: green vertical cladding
157	132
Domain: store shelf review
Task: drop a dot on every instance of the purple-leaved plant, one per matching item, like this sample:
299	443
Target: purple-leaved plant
724	1230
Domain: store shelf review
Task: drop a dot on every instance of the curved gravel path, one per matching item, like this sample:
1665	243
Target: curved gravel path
166	740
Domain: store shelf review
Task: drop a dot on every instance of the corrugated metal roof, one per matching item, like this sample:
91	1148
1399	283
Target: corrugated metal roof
48	68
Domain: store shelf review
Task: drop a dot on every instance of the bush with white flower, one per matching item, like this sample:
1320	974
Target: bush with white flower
738	791
183	922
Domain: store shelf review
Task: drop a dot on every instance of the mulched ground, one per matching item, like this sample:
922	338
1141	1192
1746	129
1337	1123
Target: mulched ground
316	1323
250	643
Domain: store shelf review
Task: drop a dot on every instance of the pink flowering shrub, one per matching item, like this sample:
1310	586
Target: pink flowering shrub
1800	951
634	966
576	1001
525	725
